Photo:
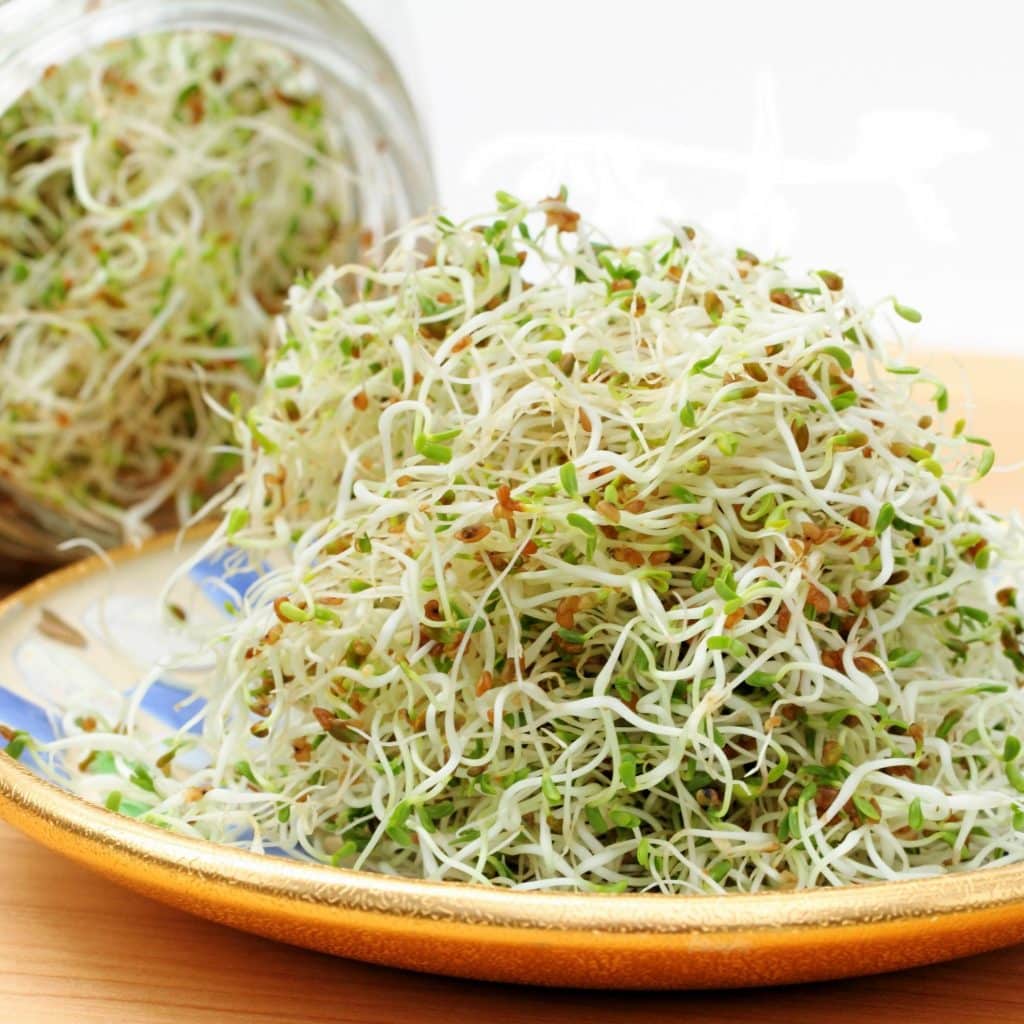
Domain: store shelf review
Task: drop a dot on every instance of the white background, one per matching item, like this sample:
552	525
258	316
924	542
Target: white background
881	140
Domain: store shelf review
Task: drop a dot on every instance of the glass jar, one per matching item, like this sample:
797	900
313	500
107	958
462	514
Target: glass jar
359	83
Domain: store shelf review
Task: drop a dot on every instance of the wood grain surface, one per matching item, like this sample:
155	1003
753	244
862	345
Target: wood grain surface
78	950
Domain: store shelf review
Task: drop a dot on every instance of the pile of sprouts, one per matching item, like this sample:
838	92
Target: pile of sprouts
157	197
604	568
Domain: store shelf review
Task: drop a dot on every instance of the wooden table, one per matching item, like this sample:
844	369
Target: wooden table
78	950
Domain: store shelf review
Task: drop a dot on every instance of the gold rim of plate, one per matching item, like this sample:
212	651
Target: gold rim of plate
578	939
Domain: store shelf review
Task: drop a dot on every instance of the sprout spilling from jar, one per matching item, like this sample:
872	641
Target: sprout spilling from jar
158	197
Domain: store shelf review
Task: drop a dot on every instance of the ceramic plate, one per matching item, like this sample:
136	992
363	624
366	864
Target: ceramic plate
594	940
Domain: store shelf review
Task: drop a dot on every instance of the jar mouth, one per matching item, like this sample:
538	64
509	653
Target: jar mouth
391	175
392	157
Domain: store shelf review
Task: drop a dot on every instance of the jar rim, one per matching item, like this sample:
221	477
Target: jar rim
327	33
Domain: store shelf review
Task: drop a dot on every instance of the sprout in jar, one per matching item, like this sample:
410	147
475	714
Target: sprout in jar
157	198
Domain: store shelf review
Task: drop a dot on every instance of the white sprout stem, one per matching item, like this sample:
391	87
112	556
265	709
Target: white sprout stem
583	566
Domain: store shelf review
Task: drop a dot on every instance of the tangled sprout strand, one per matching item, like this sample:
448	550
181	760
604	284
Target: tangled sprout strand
156	199
611	568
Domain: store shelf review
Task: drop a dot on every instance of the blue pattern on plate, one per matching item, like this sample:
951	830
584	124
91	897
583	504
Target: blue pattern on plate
217	581
213	574
22	715
161	702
